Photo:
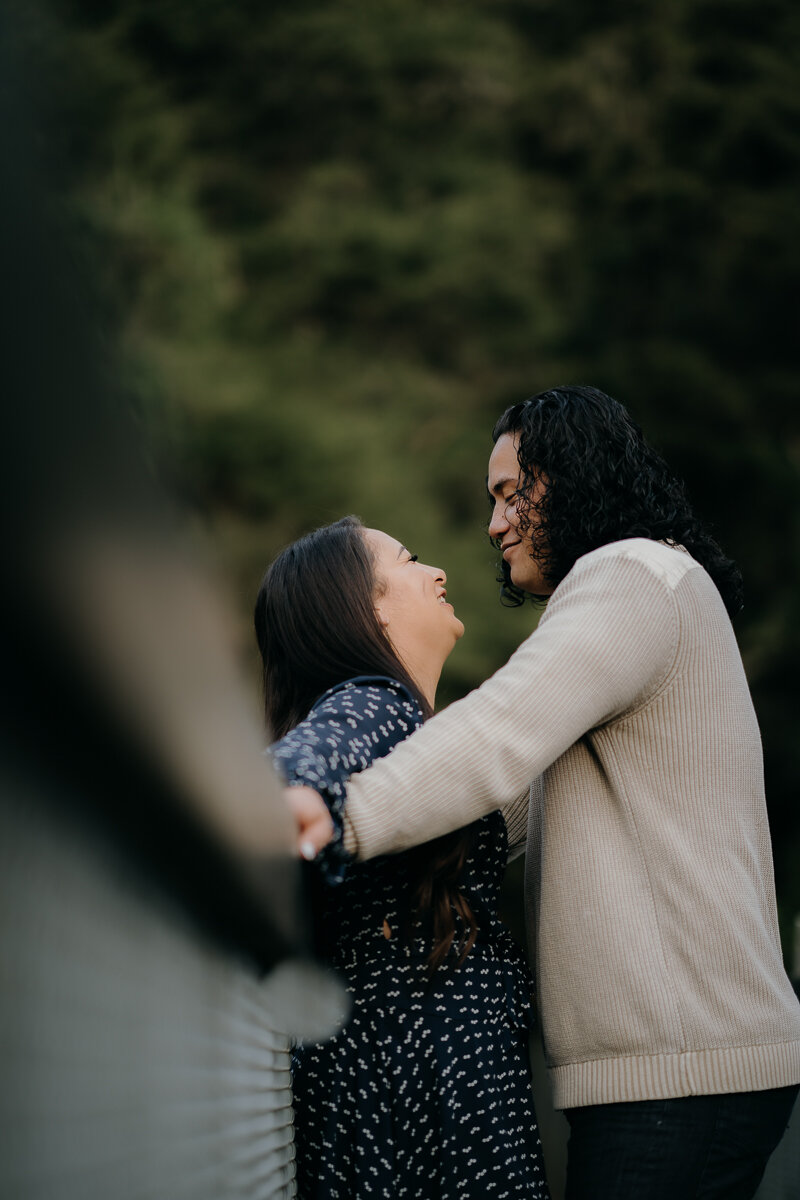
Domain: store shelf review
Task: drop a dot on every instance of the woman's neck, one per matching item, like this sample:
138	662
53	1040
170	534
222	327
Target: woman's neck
426	677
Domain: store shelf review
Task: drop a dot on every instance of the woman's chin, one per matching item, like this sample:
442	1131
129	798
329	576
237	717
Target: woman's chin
457	631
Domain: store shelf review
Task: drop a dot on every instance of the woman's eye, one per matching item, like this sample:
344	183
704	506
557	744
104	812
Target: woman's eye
413	558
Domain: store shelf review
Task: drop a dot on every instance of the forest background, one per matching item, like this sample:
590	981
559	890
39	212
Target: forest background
332	241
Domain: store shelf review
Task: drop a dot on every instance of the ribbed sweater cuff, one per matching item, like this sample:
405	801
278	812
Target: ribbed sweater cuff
670	1076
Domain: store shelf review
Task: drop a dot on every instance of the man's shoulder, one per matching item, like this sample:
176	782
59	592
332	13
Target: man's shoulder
663	560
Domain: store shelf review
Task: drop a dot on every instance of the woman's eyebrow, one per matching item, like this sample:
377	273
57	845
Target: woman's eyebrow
402	550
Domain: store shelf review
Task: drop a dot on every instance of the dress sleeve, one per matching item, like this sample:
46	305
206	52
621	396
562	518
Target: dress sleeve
607	642
350	727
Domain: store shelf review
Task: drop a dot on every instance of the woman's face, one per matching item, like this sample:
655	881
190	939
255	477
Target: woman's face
411	603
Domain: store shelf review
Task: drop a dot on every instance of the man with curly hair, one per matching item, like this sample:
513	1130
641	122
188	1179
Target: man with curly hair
671	1031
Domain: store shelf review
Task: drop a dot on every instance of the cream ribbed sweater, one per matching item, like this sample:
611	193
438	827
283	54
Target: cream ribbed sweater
649	885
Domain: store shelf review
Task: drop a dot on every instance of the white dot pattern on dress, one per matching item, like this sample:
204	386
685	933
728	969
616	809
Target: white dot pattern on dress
425	1093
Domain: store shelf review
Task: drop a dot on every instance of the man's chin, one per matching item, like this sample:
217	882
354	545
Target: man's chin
522	580
531	583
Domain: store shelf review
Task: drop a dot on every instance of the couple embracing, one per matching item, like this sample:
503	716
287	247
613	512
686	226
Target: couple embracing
618	748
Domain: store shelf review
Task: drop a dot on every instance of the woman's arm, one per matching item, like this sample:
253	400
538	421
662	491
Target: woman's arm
347	729
606	642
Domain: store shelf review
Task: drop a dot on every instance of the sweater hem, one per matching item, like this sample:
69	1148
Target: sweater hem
671	1076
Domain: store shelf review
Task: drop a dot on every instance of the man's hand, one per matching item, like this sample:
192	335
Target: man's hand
314	824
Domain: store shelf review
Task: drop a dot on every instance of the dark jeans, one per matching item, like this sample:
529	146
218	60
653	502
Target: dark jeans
695	1148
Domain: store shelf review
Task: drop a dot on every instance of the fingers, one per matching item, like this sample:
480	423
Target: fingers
314	824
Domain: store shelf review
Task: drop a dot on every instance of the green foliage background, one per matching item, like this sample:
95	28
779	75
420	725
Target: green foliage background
335	240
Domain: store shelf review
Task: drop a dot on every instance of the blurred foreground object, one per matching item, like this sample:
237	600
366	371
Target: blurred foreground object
153	957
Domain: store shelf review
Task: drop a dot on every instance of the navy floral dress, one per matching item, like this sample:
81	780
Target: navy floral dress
425	1092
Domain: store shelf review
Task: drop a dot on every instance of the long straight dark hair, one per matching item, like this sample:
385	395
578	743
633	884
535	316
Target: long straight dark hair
317	626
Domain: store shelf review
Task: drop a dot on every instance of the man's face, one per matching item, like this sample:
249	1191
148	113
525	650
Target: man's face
503	483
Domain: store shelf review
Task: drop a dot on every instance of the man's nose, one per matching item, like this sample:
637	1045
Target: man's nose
499	521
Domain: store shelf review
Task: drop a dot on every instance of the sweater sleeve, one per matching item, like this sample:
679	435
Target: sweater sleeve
606	644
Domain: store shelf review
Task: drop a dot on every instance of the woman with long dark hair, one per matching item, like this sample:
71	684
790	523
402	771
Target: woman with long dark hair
425	1092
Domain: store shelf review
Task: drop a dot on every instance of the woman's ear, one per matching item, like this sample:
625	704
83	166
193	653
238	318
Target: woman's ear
382	620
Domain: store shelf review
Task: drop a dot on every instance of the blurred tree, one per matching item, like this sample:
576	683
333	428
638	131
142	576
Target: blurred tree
336	240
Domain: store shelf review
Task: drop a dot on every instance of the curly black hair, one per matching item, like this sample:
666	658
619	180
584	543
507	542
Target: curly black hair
604	483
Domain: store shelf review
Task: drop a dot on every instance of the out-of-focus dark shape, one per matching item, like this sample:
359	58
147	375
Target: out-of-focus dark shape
119	678
153	941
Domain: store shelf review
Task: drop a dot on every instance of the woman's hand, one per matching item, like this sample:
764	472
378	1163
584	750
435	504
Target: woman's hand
314	824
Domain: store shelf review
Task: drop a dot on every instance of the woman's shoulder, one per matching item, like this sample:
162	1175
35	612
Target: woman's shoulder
369	695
